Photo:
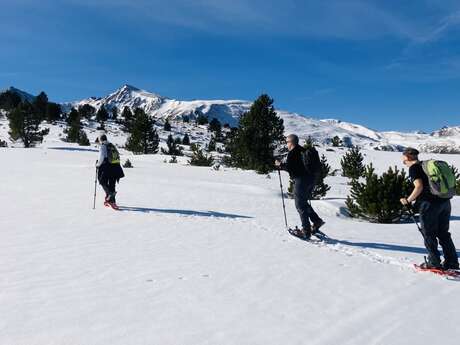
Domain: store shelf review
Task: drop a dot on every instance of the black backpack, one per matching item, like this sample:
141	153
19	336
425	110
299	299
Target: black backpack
311	162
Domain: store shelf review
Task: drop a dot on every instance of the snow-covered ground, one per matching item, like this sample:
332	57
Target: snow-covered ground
198	256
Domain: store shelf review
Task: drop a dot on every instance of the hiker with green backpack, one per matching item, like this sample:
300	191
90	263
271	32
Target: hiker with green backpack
109	170
434	186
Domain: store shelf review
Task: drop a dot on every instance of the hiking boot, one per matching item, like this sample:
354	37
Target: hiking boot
450	265
111	198
428	265
306	234
315	227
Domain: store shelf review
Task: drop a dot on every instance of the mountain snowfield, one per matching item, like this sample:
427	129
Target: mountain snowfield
446	140
199	256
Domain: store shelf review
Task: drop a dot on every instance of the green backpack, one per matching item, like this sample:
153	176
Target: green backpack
113	156
440	177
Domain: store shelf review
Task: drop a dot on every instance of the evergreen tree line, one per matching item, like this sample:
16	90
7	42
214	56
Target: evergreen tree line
25	117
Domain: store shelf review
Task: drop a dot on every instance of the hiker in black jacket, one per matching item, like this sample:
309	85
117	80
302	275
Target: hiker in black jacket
304	182
434	215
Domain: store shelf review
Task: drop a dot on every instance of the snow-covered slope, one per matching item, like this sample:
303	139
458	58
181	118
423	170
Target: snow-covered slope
446	140
198	256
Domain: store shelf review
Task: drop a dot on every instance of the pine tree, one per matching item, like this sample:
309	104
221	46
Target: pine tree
167	126
199	158
215	126
143	138
336	141
72	116
40	104
53	112
86	111
102	115
75	132
377	198
457	177
186	139
128	119
173	148
201	119
127	164
321	188
25	125
9	100
352	164
212	145
114	111
260	131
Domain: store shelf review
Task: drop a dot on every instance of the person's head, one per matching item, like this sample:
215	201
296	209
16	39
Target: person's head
292	141
410	156
102	138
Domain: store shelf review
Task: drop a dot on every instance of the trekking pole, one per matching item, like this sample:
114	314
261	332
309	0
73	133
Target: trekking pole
282	198
95	188
412	215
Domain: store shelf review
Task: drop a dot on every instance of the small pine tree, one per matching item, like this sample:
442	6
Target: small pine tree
260	131
102	115
173	148
86	111
186	119
3	143
201	120
215	126
352	164
173	160
83	140
167	126
321	187
377	198
212	145
114	112
127	164
199	158
143	138
75	133
336	141
25	125
186	140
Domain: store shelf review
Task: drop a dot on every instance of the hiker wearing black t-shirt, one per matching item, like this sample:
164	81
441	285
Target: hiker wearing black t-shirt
304	182
434	215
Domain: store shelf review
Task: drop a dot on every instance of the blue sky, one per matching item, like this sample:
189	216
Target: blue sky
389	65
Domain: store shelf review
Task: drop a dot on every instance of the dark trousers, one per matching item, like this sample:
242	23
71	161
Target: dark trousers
303	188
434	221
108	183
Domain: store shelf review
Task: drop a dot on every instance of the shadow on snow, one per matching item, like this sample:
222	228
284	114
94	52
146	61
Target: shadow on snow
72	149
183	212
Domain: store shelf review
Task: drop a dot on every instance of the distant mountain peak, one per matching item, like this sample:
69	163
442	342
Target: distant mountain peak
127	87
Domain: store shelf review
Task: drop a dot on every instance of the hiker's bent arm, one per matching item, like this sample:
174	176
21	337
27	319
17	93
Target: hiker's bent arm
417	190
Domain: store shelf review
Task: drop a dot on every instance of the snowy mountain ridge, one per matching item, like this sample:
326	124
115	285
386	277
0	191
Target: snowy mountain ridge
444	140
